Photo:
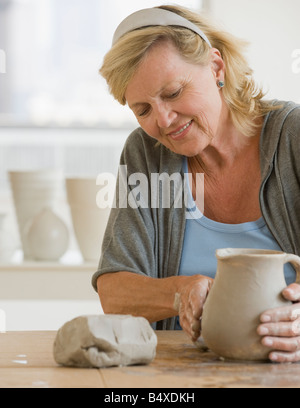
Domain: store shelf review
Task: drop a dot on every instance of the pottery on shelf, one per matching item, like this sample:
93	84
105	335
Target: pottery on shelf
89	221
32	192
247	283
47	237
7	242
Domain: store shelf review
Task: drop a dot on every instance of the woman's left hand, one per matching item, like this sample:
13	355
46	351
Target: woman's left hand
281	328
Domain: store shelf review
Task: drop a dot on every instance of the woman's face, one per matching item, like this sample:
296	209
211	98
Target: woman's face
176	102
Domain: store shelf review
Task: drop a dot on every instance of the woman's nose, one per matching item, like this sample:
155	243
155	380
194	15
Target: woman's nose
165	116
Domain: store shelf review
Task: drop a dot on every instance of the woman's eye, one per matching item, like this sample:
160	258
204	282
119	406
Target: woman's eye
174	95
143	113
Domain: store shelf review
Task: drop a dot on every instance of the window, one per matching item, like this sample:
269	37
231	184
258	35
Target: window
53	51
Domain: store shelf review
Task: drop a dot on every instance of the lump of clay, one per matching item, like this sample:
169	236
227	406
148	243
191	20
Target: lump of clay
105	341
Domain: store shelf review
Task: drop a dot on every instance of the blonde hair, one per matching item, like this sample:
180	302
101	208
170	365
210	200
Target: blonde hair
241	93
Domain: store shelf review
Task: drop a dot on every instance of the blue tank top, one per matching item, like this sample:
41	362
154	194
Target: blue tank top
203	237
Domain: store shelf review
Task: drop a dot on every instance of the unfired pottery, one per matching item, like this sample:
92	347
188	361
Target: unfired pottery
89	221
105	341
32	192
248	283
47	236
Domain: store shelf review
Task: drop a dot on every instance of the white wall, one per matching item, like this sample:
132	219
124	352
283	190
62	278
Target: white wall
273	28
37	315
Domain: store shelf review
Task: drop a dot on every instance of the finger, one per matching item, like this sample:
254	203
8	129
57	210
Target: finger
193	329
196	326
197	298
187	320
278	357
285	329
185	325
292	292
291	344
188	323
282	314
196	335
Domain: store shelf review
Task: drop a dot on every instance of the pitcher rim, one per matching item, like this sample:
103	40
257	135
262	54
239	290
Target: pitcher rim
224	253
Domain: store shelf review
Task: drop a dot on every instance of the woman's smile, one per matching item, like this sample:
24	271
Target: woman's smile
182	132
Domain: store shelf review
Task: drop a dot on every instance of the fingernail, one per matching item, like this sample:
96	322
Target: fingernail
263	331
268	342
265	318
274	357
296	295
293	294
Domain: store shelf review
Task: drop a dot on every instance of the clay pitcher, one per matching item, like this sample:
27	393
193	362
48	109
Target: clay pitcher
248	282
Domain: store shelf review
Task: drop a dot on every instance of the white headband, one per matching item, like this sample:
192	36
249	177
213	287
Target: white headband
155	17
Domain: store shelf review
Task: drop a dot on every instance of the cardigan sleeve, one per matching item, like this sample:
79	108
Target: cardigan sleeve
146	239
129	242
280	193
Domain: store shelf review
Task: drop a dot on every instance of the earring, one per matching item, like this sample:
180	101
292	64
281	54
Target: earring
221	84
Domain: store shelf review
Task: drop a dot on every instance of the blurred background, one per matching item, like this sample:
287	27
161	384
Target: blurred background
56	112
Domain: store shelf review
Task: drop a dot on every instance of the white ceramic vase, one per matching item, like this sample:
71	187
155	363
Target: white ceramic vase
32	192
89	221
248	282
7	242
47	237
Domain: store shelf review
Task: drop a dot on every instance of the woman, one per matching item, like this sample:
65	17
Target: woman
200	112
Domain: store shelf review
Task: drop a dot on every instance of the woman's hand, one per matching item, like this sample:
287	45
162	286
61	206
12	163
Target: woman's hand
281	328
189	304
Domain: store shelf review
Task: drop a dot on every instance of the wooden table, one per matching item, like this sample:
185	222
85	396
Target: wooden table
26	361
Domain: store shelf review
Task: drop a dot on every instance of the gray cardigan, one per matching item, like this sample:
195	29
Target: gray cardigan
149	241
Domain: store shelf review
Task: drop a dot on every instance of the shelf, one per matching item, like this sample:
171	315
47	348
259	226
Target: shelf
69	279
71	261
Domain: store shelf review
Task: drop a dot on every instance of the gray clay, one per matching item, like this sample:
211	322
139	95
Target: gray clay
105	341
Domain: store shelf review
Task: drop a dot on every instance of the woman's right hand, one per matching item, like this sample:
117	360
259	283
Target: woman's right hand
189	303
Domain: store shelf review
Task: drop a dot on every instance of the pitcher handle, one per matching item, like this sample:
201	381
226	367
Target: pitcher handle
295	260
